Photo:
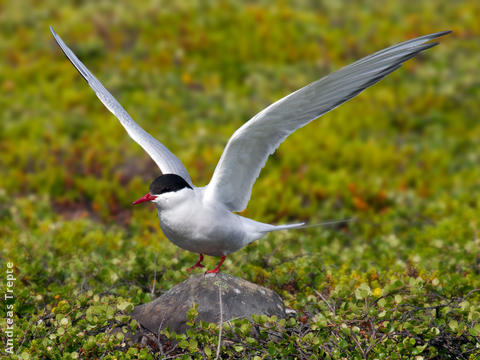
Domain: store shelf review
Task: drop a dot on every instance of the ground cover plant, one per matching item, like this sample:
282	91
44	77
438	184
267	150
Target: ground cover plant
402	281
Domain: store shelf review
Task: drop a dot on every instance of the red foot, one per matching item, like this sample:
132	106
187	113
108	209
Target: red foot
197	264
214	271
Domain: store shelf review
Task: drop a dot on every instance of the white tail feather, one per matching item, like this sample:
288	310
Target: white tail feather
305	226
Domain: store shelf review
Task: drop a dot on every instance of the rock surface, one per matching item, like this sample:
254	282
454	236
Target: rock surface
240	299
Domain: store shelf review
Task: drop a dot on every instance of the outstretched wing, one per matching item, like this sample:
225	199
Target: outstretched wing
249	147
166	161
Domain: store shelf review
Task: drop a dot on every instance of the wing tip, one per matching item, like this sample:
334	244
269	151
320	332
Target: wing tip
437	35
442	33
432	36
52	31
77	64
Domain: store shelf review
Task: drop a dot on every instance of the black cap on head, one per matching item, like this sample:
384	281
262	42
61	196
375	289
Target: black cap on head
166	183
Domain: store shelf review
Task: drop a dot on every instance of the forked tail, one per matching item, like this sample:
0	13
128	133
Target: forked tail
256	230
305	225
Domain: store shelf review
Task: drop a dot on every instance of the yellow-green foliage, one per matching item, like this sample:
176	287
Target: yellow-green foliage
403	158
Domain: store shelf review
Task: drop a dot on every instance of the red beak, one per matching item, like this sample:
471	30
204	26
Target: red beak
146	197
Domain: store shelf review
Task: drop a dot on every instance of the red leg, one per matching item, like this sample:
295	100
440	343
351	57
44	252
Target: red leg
214	271
197	264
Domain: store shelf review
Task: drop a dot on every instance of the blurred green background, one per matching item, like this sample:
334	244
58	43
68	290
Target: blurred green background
403	157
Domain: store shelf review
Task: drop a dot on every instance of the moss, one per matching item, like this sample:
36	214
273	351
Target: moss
402	159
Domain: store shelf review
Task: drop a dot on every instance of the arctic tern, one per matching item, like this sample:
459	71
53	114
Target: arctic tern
202	219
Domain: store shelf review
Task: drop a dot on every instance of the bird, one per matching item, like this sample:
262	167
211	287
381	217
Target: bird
205	219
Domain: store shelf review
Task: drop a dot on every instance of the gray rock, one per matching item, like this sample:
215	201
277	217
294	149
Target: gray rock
240	299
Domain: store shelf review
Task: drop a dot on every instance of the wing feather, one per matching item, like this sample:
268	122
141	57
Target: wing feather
164	158
249	147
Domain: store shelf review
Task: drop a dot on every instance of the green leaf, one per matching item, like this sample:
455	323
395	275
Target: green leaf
453	324
125	306
207	351
363	291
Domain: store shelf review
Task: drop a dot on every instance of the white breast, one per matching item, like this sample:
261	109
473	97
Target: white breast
202	228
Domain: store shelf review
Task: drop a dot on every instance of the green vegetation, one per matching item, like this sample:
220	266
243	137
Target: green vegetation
403	158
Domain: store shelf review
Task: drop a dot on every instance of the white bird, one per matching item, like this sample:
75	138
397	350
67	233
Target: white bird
202	219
